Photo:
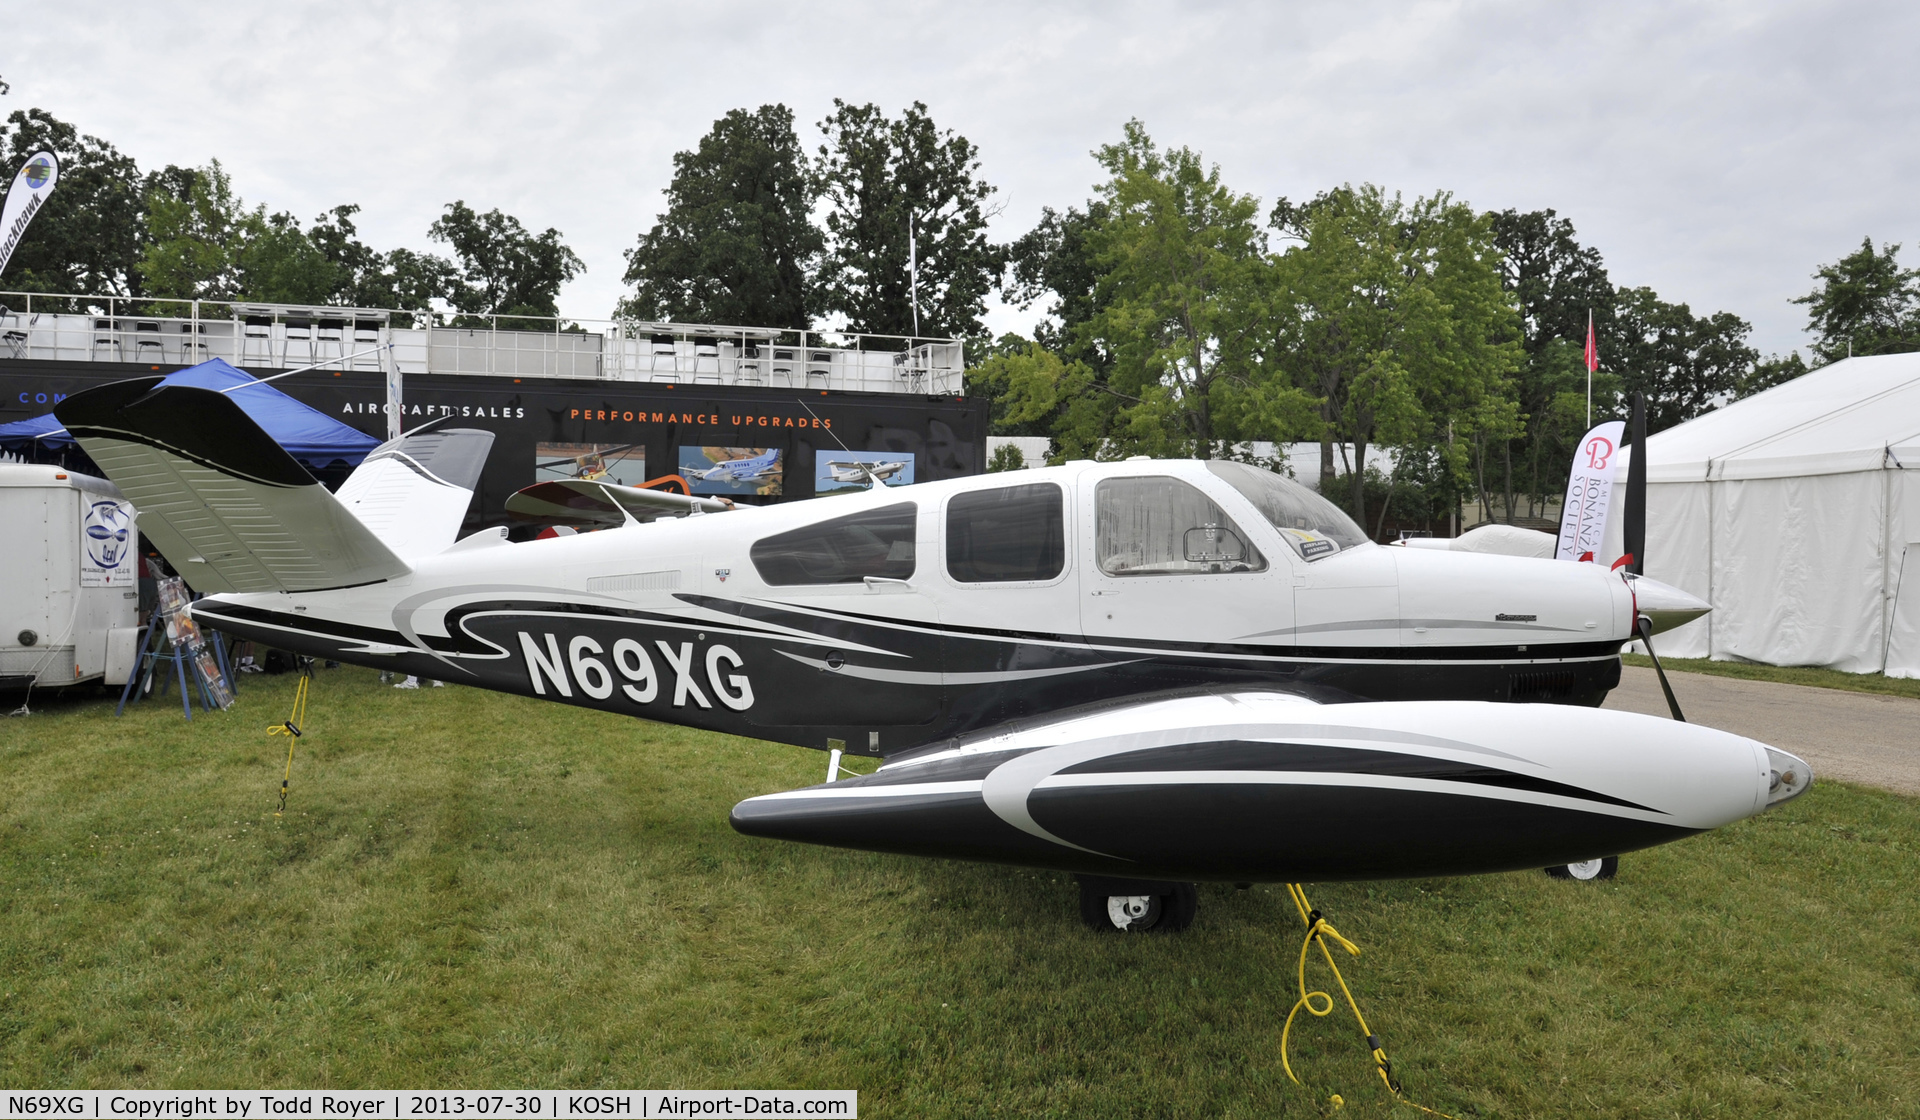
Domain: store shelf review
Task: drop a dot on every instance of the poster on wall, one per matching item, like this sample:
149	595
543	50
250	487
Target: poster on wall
106	543
623	463
732	470
856	470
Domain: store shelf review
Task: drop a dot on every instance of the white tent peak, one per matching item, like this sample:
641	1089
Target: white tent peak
1850	416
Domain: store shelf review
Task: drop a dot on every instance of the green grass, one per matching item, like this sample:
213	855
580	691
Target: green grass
473	890
1817	678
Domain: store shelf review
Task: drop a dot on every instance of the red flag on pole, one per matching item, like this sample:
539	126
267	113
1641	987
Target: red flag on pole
1593	363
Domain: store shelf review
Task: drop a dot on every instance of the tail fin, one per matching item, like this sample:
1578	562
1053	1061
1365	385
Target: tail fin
224	503
413	492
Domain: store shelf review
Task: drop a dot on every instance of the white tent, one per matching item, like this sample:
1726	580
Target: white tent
1796	513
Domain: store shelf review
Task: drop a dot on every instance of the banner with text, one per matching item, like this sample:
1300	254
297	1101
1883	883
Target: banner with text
1583	520
24	199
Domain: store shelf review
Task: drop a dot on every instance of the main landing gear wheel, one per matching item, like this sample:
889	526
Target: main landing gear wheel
1136	905
1588	870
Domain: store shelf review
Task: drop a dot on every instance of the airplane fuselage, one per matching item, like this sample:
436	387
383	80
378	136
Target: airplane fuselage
887	619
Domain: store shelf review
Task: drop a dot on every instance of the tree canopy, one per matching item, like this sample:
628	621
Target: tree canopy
1393	317
878	173
1179	305
504	269
1865	304
201	242
737	241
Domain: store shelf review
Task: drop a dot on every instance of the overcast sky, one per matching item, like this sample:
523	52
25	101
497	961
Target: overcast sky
1716	152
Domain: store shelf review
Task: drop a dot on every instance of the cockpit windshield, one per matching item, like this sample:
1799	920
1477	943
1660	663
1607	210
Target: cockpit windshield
1315	527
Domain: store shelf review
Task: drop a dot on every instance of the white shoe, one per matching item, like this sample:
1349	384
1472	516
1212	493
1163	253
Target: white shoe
439	684
410	682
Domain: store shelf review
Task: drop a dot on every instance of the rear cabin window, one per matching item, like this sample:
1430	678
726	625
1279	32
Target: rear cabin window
1159	526
873	542
1006	534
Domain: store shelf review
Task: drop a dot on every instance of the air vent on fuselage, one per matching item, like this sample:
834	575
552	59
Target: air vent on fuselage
636	581
1551	684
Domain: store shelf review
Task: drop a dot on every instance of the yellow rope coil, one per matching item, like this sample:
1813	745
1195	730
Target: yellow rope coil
1319	930
291	729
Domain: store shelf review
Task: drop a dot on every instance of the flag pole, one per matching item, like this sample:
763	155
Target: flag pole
1592	359
913	274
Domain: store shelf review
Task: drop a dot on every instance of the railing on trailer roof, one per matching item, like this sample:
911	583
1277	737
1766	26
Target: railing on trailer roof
153	331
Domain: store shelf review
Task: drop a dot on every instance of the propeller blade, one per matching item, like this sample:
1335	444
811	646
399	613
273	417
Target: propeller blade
1645	626
1634	527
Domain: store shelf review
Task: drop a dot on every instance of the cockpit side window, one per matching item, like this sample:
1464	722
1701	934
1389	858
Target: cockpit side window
1315	527
873	542
1162	526
1006	534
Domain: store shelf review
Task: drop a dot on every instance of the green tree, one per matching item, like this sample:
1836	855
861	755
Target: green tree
1181	303
1775	370
1056	260
194	223
737	240
277	262
1006	457
1686	365
1865	304
1393	316
86	238
1556	283
876	174
504	270
202	242
1034	392
364	277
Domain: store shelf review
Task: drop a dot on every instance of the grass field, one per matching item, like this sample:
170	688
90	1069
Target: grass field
1794	674
472	890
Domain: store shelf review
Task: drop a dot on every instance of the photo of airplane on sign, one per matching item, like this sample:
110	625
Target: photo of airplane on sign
841	470
752	469
1146	673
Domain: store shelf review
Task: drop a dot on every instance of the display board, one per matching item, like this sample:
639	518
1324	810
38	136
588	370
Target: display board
857	470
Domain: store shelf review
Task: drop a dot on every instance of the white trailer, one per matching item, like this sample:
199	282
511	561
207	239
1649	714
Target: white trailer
69	586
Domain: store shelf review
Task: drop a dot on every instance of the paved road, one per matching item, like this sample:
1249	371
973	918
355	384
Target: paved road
1849	736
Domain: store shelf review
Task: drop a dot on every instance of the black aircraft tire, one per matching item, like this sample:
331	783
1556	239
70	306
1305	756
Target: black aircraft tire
1588	871
1168	907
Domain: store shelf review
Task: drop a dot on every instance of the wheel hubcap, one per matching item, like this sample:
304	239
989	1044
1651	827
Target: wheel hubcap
1129	910
1585	869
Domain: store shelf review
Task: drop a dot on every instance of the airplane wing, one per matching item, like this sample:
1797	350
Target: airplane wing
586	502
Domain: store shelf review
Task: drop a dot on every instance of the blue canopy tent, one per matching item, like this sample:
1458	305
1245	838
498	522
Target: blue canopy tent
310	436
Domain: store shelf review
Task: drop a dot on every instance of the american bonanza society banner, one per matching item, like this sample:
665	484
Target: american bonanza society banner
260	1104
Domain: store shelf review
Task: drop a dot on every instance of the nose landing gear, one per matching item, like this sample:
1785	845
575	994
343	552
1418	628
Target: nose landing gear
1587	870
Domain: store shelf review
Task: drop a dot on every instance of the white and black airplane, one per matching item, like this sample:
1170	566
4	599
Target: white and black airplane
855	470
753	468
1146	673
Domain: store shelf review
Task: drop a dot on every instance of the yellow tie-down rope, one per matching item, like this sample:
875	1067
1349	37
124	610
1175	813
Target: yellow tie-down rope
291	729
1318	930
